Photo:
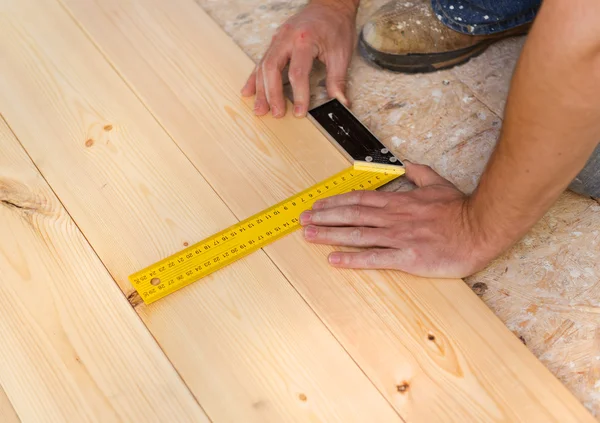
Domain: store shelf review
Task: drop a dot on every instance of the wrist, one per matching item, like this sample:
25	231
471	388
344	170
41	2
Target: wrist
487	241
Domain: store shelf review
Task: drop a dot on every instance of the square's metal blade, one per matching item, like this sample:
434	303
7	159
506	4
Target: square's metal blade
350	136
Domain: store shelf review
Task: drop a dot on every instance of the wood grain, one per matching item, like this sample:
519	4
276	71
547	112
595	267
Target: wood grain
431	346
244	341
7	412
72	348
547	282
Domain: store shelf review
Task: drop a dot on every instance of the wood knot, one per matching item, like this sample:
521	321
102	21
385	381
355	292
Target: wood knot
108	127
134	299
89	142
185	244
302	397
431	337
403	387
19	196
260	404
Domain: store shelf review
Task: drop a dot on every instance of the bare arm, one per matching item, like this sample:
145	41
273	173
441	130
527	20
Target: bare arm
551	127
552	121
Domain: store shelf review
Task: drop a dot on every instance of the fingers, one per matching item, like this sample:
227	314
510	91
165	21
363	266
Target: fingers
300	67
261	106
422	175
337	70
370	259
347	237
345	216
250	87
272	66
363	198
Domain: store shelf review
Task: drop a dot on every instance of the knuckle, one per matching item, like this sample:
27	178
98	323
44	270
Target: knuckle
356	234
372	259
281	31
399	235
354	212
322	234
297	73
359	196
303	34
268	64
411	254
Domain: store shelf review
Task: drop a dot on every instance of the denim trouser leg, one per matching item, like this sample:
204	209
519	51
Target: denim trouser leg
484	17
588	180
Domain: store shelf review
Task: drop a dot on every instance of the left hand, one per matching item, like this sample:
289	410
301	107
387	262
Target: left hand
427	232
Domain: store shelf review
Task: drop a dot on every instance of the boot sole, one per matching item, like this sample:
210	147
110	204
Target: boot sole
425	63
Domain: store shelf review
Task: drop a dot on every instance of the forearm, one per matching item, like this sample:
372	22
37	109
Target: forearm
551	126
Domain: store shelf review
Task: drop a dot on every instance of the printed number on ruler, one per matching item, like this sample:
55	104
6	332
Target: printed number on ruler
239	240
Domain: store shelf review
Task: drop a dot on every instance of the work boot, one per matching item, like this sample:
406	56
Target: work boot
406	36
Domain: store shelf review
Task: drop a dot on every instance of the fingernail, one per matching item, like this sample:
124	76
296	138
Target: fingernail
335	258
276	112
305	217
310	231
298	111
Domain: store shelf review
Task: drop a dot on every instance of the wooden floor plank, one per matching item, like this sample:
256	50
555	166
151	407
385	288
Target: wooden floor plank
7	412
431	346
72	348
244	341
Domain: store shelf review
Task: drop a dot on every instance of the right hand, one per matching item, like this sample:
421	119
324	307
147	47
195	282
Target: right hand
324	29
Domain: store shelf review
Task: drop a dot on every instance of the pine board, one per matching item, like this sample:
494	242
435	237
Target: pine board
72	348
475	368
244	341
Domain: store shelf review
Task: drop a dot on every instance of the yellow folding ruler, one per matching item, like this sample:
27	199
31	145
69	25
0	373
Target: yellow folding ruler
373	167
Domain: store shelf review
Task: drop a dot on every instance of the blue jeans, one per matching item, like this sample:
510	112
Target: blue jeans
484	17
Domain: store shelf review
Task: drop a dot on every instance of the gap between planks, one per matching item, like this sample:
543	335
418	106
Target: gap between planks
7	411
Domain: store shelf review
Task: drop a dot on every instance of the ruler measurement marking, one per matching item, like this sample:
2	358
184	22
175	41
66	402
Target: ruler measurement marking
247	236
190	268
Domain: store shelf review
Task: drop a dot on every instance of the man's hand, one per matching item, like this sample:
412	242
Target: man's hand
324	29
427	232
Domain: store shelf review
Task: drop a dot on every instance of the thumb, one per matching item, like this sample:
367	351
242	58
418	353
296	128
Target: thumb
423	175
337	77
